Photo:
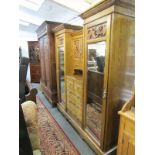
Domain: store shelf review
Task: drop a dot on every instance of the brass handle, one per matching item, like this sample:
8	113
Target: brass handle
105	94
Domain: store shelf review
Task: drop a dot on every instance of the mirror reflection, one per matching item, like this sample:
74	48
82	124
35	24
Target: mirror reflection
61	73
95	78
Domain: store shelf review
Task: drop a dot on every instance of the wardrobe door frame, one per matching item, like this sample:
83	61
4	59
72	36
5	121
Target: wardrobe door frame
106	39
57	45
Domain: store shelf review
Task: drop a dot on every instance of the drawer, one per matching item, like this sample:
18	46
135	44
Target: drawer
79	106
70	85
78	90
70	96
71	101
70	92
78	82
78	100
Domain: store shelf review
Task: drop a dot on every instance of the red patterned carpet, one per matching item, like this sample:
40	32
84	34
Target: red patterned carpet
53	140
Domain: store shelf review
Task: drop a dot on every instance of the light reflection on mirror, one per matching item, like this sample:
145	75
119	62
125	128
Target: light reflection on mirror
96	56
95	82
61	73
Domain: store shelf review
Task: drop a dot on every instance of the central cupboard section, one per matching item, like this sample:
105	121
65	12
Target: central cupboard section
69	69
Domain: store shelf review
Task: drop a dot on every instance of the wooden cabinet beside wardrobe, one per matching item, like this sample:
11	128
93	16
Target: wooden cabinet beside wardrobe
47	60
34	55
126	139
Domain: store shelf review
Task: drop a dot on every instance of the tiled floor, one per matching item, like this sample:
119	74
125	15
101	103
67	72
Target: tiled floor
80	144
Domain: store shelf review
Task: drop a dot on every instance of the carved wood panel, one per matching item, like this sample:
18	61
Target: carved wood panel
97	31
77	48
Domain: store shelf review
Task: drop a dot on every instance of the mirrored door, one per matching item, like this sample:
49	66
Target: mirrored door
95	87
61	75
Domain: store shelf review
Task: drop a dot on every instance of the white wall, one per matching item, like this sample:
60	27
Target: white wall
25	36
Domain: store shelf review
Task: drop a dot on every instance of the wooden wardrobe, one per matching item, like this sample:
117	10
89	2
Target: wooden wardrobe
47	60
108	70
34	55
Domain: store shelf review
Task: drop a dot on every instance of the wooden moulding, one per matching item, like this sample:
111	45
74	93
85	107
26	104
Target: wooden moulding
46	27
66	26
106	4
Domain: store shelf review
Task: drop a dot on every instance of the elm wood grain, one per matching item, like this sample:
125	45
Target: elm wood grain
47	57
119	65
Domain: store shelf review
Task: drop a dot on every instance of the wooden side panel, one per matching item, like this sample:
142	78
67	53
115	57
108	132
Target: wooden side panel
47	64
35	72
126	144
121	74
52	64
42	61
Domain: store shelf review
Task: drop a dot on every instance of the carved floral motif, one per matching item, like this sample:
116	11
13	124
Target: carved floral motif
98	31
77	47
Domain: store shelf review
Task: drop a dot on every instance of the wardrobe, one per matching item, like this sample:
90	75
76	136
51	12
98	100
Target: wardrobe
108	70
47	60
95	71
33	48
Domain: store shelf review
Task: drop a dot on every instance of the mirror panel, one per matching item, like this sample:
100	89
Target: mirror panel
95	82
61	75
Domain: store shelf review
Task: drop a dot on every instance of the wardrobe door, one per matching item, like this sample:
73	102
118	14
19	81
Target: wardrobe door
42	61
95	87
61	75
96	56
47	64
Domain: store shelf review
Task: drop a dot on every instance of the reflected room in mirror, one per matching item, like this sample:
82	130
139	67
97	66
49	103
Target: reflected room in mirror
61	74
95	80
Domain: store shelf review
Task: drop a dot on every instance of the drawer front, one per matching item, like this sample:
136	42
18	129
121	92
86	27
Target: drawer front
70	85
78	88
78	82
70	92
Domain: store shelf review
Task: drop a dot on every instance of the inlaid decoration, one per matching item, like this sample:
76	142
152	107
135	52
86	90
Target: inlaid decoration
97	31
60	41
77	48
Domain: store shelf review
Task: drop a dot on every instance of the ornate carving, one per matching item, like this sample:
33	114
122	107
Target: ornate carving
77	48
97	31
60	41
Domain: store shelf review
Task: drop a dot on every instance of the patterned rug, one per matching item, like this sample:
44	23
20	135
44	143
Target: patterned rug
53	139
